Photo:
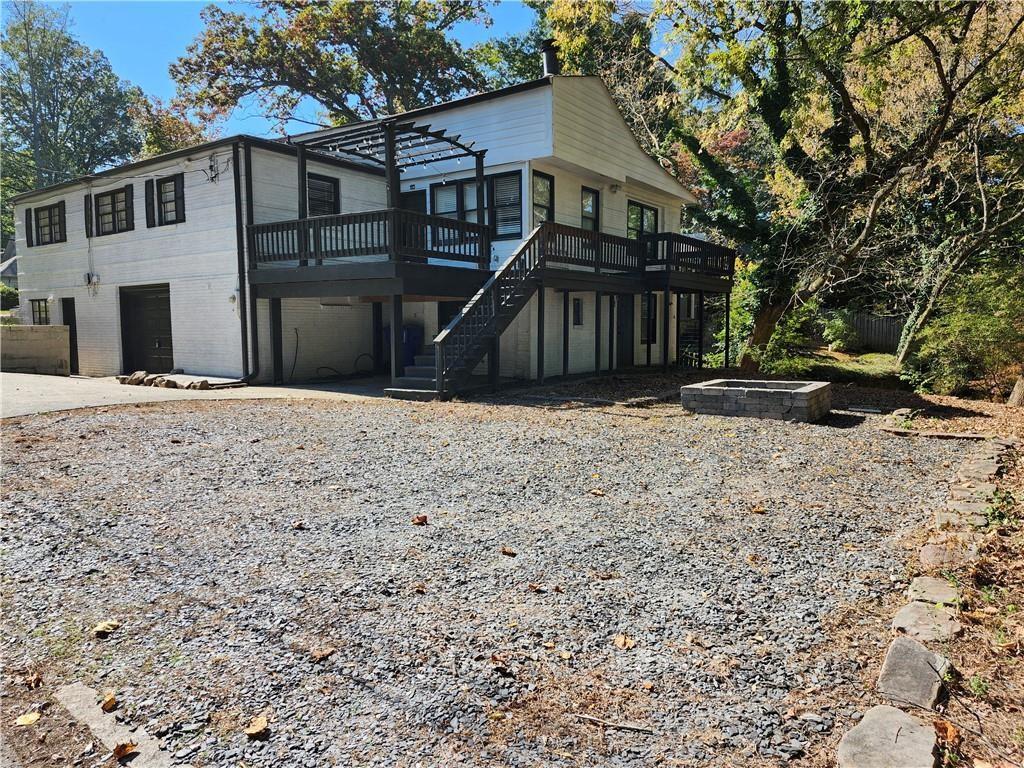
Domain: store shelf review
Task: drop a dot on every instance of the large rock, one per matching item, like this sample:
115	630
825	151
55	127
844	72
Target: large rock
928	589
949	550
924	621
912	674
137	378
888	738
151	379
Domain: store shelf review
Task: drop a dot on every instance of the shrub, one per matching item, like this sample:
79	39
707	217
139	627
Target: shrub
8	297
838	331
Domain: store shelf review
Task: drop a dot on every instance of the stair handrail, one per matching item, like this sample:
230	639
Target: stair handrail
481	311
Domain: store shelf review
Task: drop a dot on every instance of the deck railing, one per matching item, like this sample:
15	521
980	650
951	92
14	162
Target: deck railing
391	233
689	254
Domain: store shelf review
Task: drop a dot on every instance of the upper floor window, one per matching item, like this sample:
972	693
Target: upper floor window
50	224
114	211
590	209
40	312
170	197
323	195
503	202
543	198
640	220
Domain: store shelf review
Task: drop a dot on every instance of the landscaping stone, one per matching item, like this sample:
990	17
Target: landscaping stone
137	378
928	589
912	674
972	491
967	507
949	550
888	738
923	621
151	379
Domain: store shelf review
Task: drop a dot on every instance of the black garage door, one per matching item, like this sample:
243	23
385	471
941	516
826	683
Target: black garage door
146	328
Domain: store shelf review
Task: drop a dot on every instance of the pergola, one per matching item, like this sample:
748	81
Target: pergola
393	144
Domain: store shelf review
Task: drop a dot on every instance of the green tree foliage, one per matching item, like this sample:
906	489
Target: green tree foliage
355	59
166	128
65	112
509	59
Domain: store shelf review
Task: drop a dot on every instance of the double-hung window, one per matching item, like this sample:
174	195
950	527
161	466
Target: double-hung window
590	209
170	195
503	203
323	195
543	198
40	312
640	220
50	224
114	211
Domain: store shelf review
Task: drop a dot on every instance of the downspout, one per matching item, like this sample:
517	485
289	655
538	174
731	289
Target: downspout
242	276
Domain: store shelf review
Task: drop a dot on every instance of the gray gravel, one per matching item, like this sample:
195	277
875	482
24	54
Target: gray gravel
231	539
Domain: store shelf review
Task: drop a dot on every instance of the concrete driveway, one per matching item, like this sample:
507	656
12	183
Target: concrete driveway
22	394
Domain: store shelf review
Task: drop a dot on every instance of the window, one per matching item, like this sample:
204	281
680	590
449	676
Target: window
40	312
640	220
503	203
590	209
170	199
649	318
323	195
50	224
577	311
114	211
543	198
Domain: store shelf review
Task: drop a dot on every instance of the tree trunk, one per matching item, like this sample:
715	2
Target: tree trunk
1017	395
764	327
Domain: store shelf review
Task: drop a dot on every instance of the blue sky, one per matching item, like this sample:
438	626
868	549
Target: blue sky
141	38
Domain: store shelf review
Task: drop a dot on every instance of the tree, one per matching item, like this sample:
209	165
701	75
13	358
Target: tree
355	59
166	128
510	59
65	111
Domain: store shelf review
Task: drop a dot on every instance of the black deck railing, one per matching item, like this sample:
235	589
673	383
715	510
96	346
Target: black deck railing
689	254
391	233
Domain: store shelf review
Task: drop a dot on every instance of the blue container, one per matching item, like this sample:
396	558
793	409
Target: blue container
412	343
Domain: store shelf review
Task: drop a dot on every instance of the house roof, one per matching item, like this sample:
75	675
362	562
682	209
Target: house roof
9	265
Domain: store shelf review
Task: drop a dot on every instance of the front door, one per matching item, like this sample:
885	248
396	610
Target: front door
624	330
67	314
146	329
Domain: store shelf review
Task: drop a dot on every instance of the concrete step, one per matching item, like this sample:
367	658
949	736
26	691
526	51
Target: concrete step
416	382
420	371
401	393
425	360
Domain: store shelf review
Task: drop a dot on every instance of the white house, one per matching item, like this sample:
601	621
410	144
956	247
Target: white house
216	259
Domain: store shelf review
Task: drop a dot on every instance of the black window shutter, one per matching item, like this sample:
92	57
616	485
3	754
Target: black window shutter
129	205
88	215
179	197
29	241
150	205
63	222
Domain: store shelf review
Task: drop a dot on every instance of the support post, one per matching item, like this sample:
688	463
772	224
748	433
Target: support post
378	337
302	241
484	256
276	343
394	188
725	359
597	332
651	309
612	301
700	330
565	333
665	325
540	333
397	368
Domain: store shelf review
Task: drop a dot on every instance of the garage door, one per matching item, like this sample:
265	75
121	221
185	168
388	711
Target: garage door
146	328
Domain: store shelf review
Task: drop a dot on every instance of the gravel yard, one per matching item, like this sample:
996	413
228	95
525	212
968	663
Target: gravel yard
639	566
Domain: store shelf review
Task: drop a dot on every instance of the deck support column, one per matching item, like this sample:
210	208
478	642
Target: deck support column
565	333
484	255
540	332
378	337
397	367
612	301
391	167
651	309
276	343
725	358
597	332
665	326
700	330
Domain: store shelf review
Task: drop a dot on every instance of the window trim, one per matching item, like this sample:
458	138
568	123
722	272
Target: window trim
533	203
178	179
597	208
98	198
40	311
335	184
642	207
490	210
54	213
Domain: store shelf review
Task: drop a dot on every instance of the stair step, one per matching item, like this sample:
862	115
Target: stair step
421	371
425	360
400	393
416	382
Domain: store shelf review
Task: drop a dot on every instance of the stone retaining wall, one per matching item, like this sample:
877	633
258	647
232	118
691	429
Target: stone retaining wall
35	349
788	400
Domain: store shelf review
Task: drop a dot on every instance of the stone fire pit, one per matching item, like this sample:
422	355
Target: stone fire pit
789	400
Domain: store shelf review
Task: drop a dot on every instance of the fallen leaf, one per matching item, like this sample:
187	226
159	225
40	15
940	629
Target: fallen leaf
29	718
757	509
320	654
536	588
124	749
564	655
109	702
104	628
508	551
258	727
419	520
624	642
298	525
419	588
596	492
947	732
34	681
549	645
